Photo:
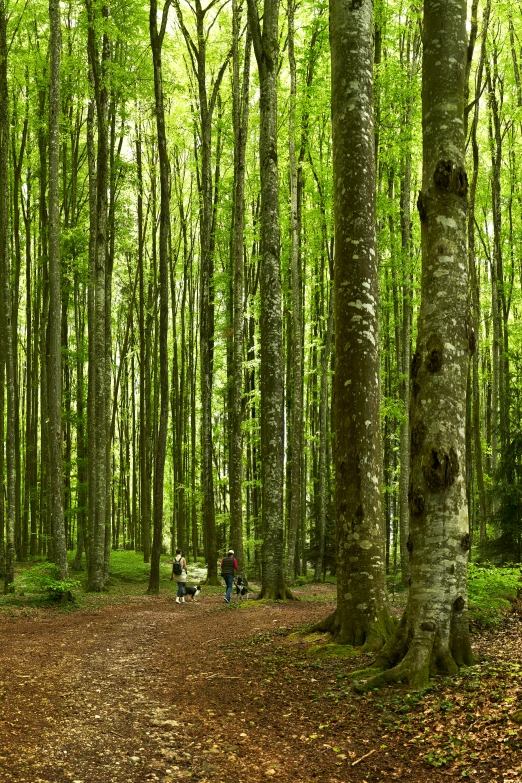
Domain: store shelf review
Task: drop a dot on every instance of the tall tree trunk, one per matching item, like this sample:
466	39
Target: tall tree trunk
198	54
266	48
362	615
240	117
407	281
433	634
55	354
99	69
297	339
6	332
156	38
474	287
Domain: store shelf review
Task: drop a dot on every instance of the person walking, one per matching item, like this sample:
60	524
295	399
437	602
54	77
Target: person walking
179	573
229	567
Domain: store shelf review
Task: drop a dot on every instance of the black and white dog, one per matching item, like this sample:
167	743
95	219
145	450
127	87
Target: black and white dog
193	591
241	588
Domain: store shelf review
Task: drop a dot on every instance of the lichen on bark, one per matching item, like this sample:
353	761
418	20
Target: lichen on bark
433	635
361	616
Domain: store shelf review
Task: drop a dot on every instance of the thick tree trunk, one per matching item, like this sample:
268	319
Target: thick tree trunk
55	354
433	634
362	616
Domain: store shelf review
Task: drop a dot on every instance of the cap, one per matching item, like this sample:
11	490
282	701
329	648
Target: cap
230	551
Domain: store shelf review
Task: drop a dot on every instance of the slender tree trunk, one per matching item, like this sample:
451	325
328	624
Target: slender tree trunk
99	69
475	293
266	47
240	112
156	38
55	356
297	339
6	332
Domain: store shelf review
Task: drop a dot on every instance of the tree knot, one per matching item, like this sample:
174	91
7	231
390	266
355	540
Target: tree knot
466	542
428	625
440	468
458	604
434	356
451	177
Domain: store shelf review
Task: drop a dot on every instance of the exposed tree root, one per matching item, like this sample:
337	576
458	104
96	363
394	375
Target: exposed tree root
329	624
370	639
411	659
281	594
213	581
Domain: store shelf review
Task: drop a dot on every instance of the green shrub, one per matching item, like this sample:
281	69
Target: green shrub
44	578
489	590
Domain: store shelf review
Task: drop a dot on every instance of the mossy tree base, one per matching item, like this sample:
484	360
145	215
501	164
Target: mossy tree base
412	654
332	650
279	594
369	638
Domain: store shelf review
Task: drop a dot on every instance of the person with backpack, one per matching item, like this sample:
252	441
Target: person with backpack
179	573
228	567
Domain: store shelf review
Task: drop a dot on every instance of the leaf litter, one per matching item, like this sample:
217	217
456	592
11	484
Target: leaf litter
148	690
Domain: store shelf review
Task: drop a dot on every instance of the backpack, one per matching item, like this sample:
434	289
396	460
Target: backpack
177	568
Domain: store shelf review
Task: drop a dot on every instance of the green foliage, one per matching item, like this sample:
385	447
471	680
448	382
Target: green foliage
44	578
508	492
490	589
129	568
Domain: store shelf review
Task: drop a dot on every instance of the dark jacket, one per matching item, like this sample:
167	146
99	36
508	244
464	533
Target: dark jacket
228	565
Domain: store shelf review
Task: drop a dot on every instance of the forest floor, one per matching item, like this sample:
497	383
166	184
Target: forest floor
134	688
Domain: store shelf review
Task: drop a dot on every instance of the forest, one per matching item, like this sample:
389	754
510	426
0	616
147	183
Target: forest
260	290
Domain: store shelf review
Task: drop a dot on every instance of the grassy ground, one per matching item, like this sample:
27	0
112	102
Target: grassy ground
491	589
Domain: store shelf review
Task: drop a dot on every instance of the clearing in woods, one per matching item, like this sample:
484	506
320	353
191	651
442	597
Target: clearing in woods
137	689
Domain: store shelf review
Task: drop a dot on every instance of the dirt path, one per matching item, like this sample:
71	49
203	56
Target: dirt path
154	691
